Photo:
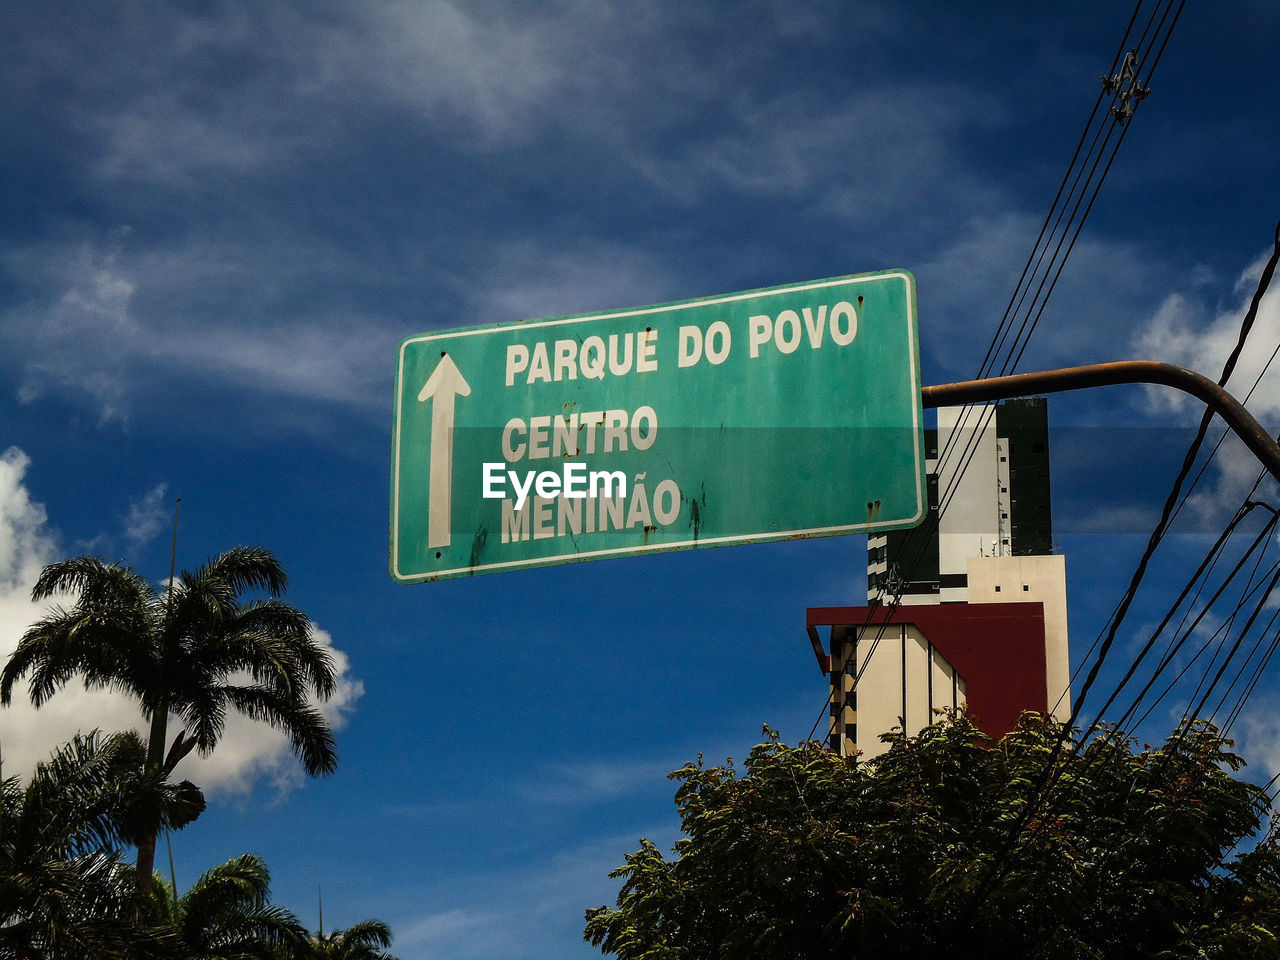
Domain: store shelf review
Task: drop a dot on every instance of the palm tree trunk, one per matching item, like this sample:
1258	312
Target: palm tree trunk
151	822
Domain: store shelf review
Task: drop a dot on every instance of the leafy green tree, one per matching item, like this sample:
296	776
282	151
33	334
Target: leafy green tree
195	652
367	940
63	889
813	855
228	915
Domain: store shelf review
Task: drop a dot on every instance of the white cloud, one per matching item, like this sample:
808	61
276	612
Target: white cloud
82	333
146	517
179	125
249	752
1186	332
26	544
527	281
587	782
78	337
443	60
1258	733
295	359
483	932
543	903
158	141
1182	331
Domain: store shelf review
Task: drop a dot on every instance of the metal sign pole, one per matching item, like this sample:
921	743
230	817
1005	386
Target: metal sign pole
1254	435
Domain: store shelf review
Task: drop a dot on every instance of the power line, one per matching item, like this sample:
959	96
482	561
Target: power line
1162	526
1157	535
1017	299
1110	83
1206	565
1124	96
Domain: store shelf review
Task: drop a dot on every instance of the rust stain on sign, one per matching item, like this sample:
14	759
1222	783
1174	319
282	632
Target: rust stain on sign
477	544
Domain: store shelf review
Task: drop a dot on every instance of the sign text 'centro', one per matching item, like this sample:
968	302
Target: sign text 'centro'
776	413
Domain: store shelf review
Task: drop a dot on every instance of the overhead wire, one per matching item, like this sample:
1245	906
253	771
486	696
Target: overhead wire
1161	529
1222	634
1204	691
1206	565
1162	525
1205	463
1119	117
1000	864
997	340
1263	634
1184	635
1263	663
1173	500
1037	252
1017	299
987	411
1157	535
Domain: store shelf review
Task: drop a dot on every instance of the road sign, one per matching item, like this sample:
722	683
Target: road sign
776	413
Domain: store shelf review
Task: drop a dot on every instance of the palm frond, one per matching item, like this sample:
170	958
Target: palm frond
94	581
243	569
228	913
309	733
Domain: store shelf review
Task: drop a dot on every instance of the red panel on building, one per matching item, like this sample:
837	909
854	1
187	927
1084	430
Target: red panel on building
998	648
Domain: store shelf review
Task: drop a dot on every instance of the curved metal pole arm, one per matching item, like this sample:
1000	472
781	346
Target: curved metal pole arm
1256	438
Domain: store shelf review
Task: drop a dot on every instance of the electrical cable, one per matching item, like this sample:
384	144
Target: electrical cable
1162	525
1172	500
1027	327
1185	636
1239	675
1006	321
1205	564
1253	683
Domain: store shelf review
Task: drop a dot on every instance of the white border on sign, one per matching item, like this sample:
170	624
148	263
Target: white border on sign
916	414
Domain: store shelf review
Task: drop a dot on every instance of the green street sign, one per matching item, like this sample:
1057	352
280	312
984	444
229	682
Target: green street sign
770	414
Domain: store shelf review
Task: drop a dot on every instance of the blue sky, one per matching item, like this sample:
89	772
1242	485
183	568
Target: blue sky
218	221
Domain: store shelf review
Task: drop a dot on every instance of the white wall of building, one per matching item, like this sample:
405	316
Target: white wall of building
970	519
905	671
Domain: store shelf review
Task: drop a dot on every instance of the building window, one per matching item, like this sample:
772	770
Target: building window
997	588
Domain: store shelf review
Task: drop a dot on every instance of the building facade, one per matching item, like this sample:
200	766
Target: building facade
995	636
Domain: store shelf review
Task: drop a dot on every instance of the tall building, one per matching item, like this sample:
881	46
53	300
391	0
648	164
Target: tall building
998	507
995	635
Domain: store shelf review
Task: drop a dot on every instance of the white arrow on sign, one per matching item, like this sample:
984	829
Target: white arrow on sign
445	384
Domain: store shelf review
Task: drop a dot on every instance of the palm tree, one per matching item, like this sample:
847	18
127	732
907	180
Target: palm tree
367	940
194	651
228	915
63	889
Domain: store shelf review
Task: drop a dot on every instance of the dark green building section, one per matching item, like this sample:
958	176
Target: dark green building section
1025	422
911	556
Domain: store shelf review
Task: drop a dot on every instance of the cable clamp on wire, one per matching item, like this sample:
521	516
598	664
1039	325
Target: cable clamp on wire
1125	84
